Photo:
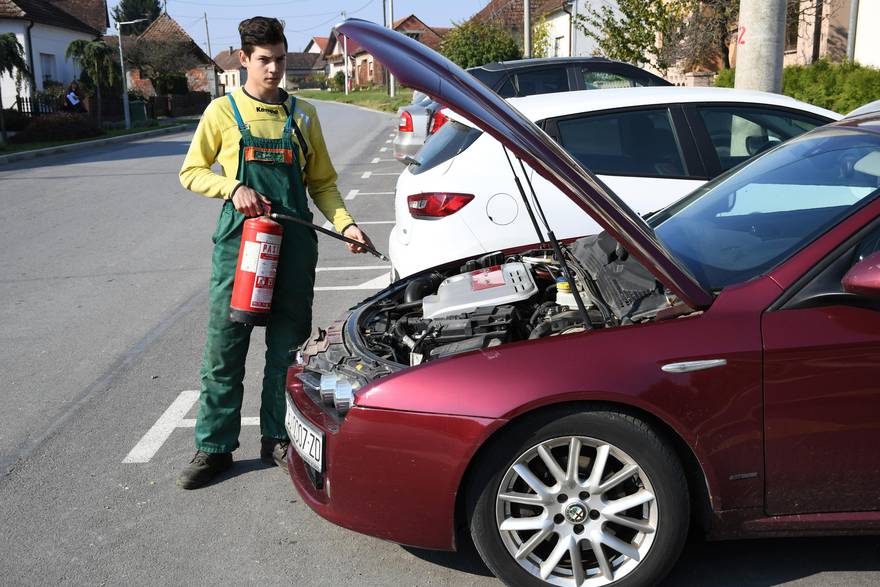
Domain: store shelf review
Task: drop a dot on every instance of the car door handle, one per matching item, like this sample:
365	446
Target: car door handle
689	366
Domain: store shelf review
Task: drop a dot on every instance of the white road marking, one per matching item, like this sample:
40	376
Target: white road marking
353	267
375	160
352	194
375	193
383	149
391	135
378	283
366	175
147	447
388	141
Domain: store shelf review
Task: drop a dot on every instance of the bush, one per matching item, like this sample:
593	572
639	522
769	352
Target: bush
472	43
15	120
840	87
339	81
60	126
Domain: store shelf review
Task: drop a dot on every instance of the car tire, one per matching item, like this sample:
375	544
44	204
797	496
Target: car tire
655	529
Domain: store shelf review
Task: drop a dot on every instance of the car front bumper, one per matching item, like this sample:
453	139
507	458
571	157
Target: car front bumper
389	474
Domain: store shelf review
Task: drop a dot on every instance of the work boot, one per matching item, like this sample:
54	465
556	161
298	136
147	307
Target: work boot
274	451
203	468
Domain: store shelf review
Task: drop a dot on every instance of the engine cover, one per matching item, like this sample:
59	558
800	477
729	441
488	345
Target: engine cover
493	286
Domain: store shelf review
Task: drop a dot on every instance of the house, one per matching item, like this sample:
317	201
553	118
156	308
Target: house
557	16
819	29
364	71
302	71
202	78
45	29
232	74
316	45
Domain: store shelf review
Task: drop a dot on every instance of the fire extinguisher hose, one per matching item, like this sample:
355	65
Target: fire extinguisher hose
330	233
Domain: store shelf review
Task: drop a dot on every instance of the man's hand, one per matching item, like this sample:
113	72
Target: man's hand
251	202
355	233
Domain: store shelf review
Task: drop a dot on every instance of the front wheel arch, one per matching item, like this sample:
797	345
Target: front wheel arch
697	481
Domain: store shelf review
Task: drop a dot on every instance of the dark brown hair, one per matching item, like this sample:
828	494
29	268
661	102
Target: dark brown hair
261	30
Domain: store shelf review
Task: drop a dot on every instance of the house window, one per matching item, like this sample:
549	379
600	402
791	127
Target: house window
557	46
47	65
792	20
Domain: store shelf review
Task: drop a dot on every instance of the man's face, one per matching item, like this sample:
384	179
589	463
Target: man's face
266	65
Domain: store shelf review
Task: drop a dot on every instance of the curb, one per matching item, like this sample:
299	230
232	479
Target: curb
83	145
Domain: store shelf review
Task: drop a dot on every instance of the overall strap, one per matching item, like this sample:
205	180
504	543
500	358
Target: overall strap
241	125
291	125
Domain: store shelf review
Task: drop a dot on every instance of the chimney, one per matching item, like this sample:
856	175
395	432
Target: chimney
230	49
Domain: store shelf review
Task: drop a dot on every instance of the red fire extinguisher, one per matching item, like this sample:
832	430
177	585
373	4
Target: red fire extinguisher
255	271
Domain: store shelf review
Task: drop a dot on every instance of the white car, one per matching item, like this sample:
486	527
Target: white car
651	146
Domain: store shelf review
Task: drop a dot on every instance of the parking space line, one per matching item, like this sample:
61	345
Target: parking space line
150	443
352	194
388	141
366	175
156	436
383	149
378	160
377	283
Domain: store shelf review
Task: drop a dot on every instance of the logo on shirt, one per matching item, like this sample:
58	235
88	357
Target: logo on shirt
268	110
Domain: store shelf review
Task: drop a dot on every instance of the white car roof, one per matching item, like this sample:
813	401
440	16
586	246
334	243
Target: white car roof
561	104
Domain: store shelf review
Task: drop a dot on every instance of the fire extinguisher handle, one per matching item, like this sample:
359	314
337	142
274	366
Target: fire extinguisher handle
330	233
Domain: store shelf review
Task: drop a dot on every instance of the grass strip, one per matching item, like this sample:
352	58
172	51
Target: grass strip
373	99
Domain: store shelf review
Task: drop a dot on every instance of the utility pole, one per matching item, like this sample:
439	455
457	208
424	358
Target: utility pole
125	108
345	56
391	92
527	30
853	25
574	32
761	44
214	87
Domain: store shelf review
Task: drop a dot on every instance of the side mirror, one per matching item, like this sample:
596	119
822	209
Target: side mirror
863	278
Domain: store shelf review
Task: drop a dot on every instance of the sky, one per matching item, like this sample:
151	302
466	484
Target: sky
304	19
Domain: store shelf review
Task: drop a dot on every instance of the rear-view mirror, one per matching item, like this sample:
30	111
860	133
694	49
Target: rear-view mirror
863	278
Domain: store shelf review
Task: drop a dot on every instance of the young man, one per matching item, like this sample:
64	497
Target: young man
271	149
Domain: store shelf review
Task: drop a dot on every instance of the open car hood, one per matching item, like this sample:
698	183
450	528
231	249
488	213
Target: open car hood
425	70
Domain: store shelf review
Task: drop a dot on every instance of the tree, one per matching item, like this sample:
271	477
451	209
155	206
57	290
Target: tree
541	38
472	43
134	9
631	30
163	62
12	63
95	58
707	32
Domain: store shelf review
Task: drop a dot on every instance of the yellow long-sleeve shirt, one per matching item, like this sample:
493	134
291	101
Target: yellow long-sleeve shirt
217	140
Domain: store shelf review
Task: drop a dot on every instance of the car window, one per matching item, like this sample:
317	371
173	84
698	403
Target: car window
739	133
507	89
542	81
452	138
635	143
601	80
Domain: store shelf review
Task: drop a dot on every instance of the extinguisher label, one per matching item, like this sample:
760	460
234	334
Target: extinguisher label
268	248
250	256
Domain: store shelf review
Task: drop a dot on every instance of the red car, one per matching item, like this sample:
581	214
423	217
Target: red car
577	408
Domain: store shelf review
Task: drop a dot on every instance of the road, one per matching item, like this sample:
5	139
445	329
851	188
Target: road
104	278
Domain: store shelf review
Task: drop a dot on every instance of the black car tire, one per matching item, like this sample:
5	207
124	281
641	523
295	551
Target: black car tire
622	430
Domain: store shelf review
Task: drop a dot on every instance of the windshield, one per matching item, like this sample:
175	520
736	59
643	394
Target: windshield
751	219
452	138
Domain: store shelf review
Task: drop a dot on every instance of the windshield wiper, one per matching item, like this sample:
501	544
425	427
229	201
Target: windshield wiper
563	260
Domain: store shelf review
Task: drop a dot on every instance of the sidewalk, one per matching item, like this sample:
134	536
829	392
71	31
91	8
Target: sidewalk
83	145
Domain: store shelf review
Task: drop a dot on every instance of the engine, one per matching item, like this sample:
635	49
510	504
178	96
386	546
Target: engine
487	302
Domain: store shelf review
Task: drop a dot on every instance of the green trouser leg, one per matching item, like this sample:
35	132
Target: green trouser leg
219	420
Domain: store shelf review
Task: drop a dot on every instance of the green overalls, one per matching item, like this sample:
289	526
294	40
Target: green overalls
272	168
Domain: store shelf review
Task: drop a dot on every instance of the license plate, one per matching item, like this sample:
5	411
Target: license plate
305	438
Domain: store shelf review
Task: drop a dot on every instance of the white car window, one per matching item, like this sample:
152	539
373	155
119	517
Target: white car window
638	143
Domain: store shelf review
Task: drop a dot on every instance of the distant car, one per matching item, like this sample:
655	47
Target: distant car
868	108
525	77
650	145
720	376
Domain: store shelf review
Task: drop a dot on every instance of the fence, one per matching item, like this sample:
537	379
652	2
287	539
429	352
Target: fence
111	107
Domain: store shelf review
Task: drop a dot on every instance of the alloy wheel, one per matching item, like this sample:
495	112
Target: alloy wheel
576	511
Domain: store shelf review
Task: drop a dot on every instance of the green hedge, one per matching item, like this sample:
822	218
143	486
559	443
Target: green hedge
841	87
59	126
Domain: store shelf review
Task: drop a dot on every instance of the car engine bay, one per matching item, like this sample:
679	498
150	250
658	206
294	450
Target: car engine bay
497	299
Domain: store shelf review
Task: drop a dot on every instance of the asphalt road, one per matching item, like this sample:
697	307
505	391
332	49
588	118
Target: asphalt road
103	277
